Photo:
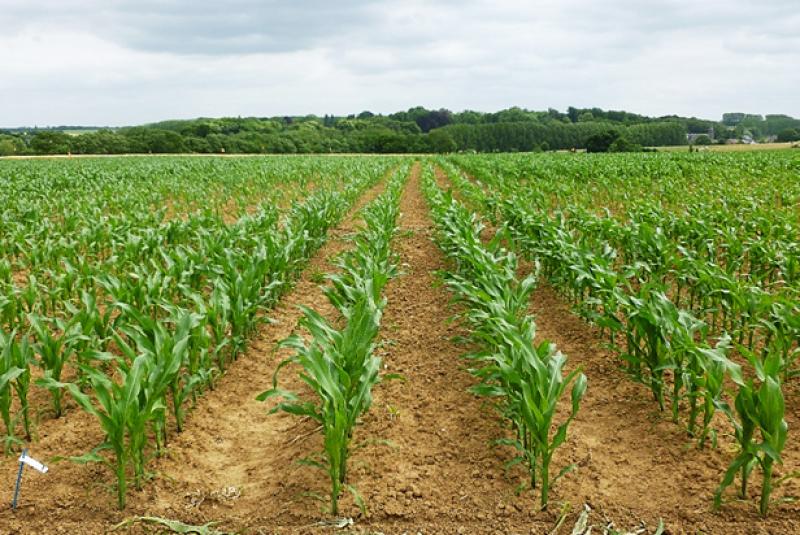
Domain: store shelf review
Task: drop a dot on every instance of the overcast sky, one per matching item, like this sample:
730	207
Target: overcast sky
117	62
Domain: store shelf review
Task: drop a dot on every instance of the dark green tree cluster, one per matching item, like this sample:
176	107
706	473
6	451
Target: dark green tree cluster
761	126
417	130
789	134
555	135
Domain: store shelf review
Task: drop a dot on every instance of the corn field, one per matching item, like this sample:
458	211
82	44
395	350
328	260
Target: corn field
133	288
135	313
694	284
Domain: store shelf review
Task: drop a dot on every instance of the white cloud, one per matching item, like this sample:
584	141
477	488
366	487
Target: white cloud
125	62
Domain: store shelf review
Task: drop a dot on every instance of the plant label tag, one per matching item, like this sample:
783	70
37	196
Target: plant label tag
33	463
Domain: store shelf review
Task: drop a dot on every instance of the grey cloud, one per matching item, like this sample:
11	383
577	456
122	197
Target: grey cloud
243	26
204	28
118	62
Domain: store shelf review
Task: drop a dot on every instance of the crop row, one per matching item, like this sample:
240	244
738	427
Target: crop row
111	218
162	334
666	345
337	362
525	379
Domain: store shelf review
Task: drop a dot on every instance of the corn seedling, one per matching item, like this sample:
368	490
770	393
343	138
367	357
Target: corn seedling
758	413
54	351
119	410
341	370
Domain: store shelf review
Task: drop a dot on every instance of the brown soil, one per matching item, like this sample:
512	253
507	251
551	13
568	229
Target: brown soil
440	474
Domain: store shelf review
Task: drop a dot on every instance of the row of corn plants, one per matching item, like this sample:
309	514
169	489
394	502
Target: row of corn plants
101	246
727	253
525	379
337	360
170	353
55	247
665	345
168	329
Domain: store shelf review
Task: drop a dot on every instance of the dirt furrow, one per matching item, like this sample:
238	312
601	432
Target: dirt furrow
432	468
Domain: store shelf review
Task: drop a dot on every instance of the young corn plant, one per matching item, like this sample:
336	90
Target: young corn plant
759	427
369	265
340	368
54	351
95	324
217	313
652	320
11	312
167	349
118	407
339	364
782	328
529	380
710	367
9	372
94	330
686	363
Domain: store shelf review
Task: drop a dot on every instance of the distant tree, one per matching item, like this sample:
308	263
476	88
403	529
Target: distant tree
732	119
702	139
623	144
788	134
433	119
441	141
199	130
50	142
602	141
467	117
379	140
366	115
7	147
514	115
11	145
776	123
100	142
698	126
586	117
329	120
572	113
197	144
753	118
617	116
655	134
155	140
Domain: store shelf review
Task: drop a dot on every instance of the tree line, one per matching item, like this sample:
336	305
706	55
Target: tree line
417	130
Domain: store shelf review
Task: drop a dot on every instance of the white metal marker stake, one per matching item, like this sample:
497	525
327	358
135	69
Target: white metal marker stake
33	463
